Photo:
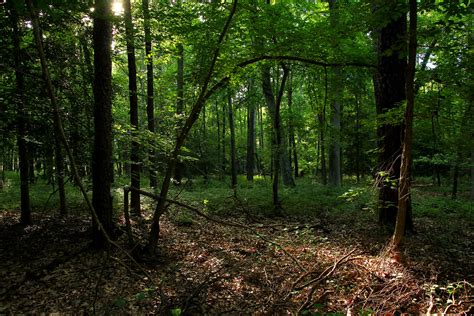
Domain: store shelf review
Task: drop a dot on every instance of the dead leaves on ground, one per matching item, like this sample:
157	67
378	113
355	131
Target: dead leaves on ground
208	268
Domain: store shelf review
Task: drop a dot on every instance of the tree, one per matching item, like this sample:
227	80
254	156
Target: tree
132	90
250	166
335	176
150	107
389	85
233	162
404	184
102	168
21	120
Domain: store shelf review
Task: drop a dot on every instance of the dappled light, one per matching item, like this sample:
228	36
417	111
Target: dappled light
237	158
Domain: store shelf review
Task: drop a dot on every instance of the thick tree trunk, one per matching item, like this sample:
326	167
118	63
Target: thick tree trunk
404	191
25	218
132	89
150	107
389	86
233	163
102	168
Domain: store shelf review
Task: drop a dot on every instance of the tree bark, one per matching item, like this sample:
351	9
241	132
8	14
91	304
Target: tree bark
132	90
22	132
150	107
102	168
389	86
404	182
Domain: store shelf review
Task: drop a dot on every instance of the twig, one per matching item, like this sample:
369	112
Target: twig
326	273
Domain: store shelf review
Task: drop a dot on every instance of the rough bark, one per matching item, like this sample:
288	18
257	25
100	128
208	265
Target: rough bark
22	132
132	90
389	86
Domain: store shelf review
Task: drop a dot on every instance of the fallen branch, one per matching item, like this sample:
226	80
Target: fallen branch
323	275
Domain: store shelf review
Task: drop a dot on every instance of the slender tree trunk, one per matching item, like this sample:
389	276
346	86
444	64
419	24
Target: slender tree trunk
218	119
281	155
150	107
404	184
357	140
132	87
291	129
60	172
335	162
223	164
250	138
22	132
204	95
102	168
472	170
233	166
178	174
322	128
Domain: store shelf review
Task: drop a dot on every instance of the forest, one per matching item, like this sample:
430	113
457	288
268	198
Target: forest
185	157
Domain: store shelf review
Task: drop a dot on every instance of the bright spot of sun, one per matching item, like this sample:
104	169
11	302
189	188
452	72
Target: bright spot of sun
117	7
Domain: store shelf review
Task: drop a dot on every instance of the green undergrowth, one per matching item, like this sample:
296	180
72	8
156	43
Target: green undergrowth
308	198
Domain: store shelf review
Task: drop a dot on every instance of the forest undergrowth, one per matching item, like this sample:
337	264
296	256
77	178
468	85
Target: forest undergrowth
325	254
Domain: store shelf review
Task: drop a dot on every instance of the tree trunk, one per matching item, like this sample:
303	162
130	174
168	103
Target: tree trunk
389	86
404	184
102	168
250	166
204	95
150	107
233	166
335	175
179	171
132	89
357	140
322	128
291	129
25	218
280	151
60	172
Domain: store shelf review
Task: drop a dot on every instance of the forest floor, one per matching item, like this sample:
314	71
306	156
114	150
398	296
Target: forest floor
327	263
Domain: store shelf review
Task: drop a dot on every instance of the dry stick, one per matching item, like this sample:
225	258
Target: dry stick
62	136
327	272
